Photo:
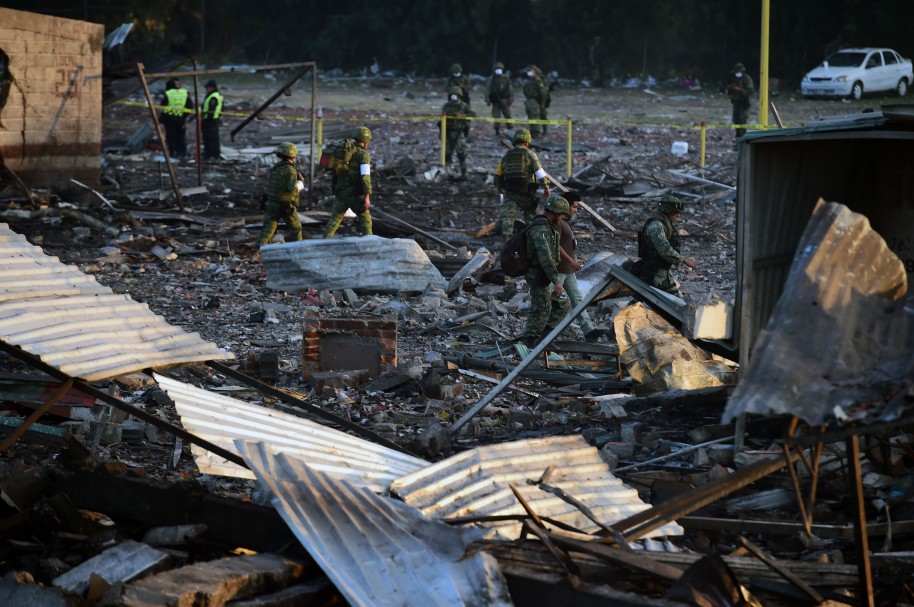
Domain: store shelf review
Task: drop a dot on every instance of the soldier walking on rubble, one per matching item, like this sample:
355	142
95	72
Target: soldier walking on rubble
517	177
283	188
456	129
536	93
354	189
658	244
212	110
568	265
740	90
499	95
461	81
548	302
174	117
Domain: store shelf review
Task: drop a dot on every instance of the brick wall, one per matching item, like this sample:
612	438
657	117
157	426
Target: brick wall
51	124
378	332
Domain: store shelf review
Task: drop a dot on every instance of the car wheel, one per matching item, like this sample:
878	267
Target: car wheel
857	90
901	89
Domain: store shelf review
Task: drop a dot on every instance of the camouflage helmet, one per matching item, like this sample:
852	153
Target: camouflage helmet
522	136
456	69
363	133
557	205
670	204
287	149
499	66
455	90
739	67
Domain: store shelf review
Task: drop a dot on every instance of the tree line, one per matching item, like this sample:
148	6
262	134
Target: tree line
702	38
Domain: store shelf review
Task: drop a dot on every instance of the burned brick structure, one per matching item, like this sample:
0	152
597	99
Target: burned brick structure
50	97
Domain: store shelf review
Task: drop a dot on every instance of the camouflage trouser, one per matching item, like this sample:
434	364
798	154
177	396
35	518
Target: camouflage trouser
535	111
546	310
570	284
663	280
500	108
272	213
740	116
511	206
456	142
363	218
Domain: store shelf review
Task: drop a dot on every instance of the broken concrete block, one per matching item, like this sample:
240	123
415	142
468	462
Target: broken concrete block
610	457
350	296
214	582
631	431
122	563
109	434
338	379
622	449
367	264
133	431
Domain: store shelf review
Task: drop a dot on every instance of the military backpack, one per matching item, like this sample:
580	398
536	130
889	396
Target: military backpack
513	258
336	155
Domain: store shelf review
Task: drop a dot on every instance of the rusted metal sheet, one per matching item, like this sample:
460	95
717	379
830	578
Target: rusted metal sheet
84	329
841	332
478	483
222	420
376	550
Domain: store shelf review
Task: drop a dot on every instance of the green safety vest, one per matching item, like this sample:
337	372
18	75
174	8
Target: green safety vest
177	99
212	114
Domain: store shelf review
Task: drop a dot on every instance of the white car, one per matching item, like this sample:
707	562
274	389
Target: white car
855	71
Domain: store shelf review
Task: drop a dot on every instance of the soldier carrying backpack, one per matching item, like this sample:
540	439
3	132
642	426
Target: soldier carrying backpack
352	184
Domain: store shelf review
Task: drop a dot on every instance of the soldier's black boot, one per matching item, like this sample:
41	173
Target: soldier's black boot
530	341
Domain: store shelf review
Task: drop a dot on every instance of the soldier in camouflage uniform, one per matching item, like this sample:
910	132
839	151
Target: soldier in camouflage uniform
548	302
283	188
658	242
456	129
536	93
517	177
740	90
461	81
354	191
499	95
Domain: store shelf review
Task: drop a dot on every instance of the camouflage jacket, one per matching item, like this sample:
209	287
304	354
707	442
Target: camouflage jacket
281	185
358	179
499	90
656	243
455	109
741	91
543	251
536	88
462	82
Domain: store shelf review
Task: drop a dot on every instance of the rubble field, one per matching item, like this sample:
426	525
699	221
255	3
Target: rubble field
195	265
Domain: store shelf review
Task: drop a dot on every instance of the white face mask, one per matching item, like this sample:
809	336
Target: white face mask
531	74
738	74
456	74
453	97
498	72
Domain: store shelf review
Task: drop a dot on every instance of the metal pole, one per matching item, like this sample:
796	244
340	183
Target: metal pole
568	170
161	134
532	355
315	143
443	140
763	68
704	133
855	478
198	122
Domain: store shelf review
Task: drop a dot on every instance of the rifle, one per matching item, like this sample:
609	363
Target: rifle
581	203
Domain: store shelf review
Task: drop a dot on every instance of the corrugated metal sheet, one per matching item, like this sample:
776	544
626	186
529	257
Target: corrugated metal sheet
377	551
223	420
840	333
477	483
65	317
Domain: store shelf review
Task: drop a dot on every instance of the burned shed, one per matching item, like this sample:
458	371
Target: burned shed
50	97
864	161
